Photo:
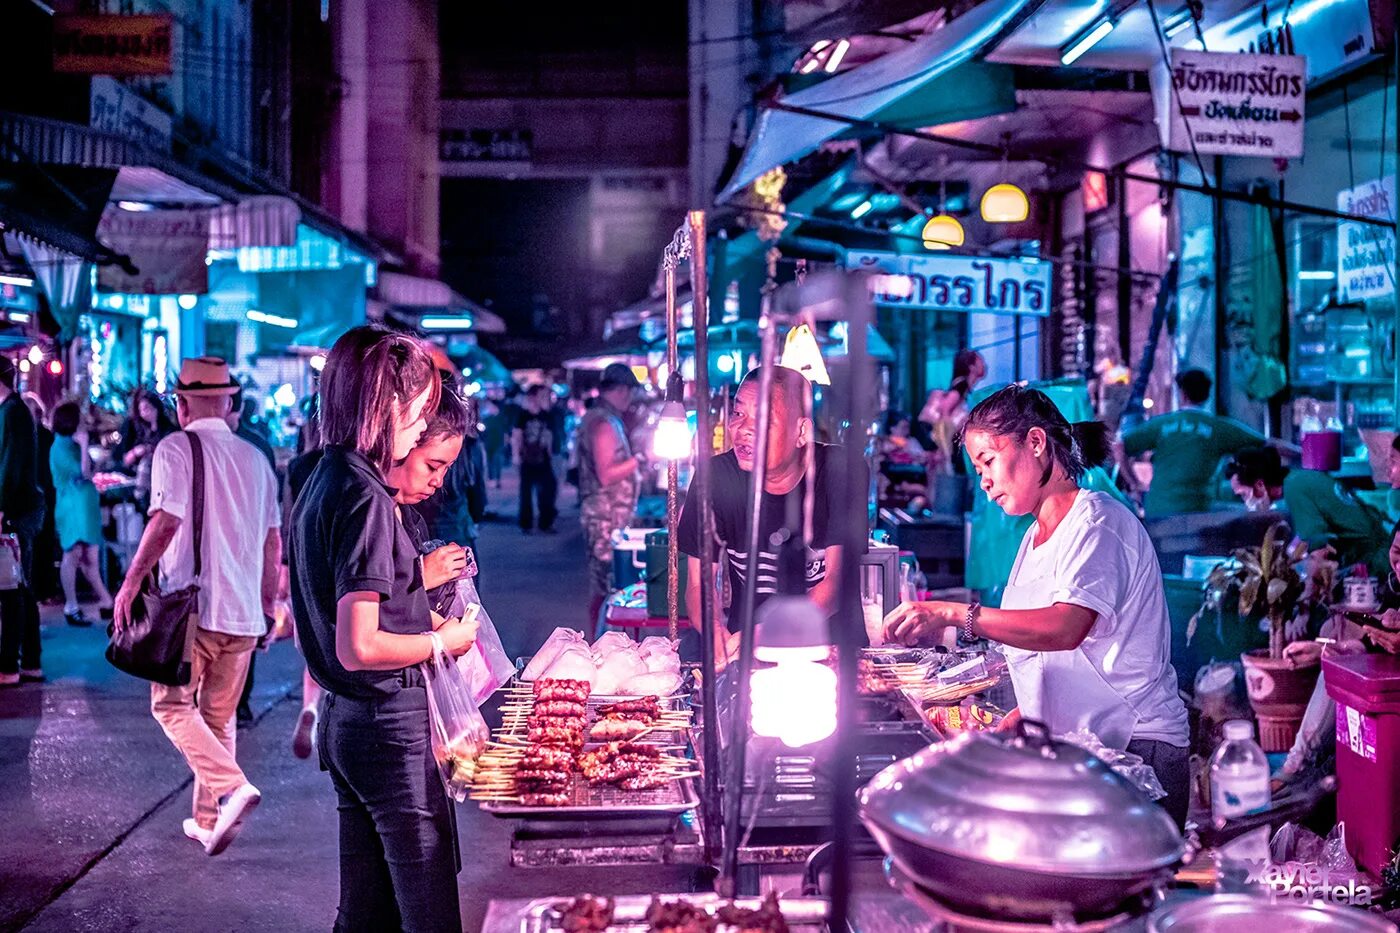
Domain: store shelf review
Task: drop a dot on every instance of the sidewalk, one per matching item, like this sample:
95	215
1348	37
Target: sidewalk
92	794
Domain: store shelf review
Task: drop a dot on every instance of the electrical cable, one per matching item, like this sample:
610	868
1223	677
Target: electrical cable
1180	108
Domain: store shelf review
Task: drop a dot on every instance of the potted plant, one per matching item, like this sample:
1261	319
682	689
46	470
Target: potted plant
1272	589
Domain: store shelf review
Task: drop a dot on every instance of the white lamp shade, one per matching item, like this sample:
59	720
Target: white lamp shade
1005	204
800	352
943	232
671	440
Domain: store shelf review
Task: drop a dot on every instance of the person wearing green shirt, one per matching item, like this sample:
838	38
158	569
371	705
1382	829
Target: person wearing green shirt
1187	445
1323	511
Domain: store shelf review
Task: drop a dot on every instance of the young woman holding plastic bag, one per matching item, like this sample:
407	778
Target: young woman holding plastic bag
364	625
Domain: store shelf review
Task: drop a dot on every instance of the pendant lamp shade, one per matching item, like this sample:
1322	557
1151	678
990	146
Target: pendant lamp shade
943	232
1005	204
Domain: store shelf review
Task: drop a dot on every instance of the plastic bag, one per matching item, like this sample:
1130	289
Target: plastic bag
486	667
1126	764
459	733
10	576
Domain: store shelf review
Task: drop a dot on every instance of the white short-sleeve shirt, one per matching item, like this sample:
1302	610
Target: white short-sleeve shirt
1119	682
240	506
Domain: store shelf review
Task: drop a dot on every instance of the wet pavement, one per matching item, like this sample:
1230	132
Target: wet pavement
92	794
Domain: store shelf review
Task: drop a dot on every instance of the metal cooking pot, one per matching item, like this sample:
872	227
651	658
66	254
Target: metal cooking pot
1021	826
1244	913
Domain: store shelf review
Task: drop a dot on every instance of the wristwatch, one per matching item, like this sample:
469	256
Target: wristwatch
973	611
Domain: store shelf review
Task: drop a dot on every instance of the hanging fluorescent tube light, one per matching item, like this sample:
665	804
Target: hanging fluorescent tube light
446	323
1086	40
1177	23
23	281
833	60
861	209
276	320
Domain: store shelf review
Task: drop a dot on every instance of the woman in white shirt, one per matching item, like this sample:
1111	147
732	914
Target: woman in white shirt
1084	615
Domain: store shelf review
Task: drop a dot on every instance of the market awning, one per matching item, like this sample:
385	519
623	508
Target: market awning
59	205
934	80
418	297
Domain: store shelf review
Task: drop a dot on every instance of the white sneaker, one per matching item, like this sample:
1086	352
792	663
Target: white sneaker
232	812
196	832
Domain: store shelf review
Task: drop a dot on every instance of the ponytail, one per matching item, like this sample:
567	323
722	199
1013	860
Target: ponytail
1015	410
1091	441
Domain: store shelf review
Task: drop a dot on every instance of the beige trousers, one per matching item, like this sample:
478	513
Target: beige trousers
198	718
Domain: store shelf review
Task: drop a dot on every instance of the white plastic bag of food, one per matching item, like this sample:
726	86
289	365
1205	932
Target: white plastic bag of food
561	639
459	734
487	667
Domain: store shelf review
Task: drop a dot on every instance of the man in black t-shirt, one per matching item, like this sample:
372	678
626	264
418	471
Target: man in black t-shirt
534	451
789	434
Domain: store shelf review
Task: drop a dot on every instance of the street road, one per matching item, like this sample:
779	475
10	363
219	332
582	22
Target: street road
92	794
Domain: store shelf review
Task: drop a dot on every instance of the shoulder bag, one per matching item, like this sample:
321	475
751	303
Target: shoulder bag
159	643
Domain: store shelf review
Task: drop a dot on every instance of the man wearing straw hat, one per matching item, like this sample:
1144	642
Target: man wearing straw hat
241	553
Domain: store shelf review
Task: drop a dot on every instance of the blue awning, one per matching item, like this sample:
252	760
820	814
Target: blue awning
899	87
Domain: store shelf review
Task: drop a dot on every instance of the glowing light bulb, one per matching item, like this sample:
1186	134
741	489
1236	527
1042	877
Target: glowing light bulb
36	355
671	441
794	702
285	395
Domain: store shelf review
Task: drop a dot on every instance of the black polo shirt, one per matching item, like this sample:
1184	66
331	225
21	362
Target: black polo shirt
345	537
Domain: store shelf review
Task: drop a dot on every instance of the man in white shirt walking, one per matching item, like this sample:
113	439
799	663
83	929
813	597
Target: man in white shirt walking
241	553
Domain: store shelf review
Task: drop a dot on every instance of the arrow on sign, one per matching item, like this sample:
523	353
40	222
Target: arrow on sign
1292	116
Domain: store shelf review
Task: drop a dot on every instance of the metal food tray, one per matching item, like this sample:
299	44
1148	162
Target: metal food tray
589	800
682	692
545	914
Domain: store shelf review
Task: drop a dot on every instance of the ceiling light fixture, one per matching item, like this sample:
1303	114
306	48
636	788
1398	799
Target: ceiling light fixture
1072	51
833	61
1177	23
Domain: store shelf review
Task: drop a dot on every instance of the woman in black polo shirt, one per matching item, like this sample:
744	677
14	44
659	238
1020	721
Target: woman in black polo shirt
364	626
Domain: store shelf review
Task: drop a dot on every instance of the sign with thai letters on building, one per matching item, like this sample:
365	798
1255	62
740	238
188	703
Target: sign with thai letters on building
1236	104
118	110
1366	252
486	145
932	282
112	45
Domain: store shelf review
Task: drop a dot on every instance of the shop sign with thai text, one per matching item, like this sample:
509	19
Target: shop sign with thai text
112	45
972	284
1366	252
486	145
1236	104
118	110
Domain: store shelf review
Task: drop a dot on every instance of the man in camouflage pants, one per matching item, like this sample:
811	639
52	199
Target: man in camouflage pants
608	479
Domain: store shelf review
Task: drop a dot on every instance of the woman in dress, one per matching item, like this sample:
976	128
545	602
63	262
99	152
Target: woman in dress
77	513
364	625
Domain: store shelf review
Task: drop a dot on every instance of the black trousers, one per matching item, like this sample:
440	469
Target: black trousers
19	609
1173	767
538	479
398	836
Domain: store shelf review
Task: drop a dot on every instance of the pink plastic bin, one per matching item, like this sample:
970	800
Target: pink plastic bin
1367	690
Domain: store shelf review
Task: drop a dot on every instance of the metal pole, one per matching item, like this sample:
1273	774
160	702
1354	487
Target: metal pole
738	729
847	625
672	471
709	707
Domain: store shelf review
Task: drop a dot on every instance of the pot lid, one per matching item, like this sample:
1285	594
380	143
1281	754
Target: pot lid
1024	800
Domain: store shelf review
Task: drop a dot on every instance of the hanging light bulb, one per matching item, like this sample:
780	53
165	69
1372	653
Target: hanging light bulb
671	440
800	352
795	700
943	232
1005	204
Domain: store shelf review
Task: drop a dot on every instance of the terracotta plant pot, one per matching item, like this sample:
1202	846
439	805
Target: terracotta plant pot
1279	693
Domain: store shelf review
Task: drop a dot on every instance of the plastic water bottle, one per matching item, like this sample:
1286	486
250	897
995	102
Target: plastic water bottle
1239	774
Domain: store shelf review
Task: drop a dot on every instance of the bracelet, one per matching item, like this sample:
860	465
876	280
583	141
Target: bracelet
973	611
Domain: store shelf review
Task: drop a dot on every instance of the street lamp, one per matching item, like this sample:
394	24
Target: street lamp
671	441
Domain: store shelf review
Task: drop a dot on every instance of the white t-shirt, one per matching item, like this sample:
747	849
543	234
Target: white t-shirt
240	505
1119	682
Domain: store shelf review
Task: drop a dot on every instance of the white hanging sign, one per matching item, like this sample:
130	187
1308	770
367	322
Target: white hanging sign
1237	104
1366	252
934	282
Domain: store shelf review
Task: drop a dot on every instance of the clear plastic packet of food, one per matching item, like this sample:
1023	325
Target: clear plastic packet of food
459	733
487	667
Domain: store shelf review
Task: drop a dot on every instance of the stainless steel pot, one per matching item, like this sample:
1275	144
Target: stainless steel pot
1021	826
1243	913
